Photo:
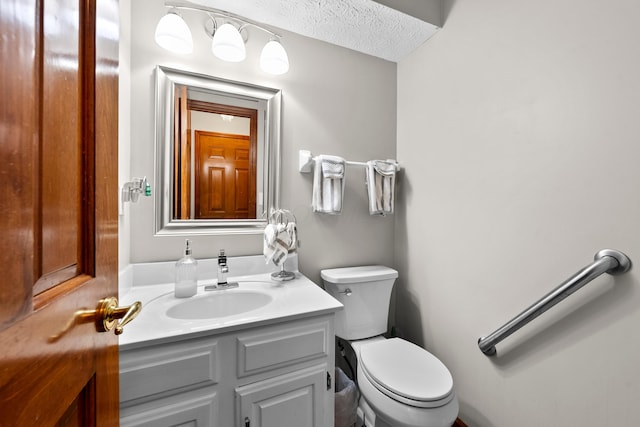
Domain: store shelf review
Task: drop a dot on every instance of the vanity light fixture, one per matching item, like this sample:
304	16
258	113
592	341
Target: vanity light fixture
228	44
228	37
274	59
173	34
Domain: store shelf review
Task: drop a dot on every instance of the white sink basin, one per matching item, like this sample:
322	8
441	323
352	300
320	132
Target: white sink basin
219	304
257	301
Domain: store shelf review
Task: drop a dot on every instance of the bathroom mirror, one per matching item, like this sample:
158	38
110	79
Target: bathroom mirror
217	146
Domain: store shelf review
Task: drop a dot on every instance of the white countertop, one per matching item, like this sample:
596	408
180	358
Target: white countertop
297	298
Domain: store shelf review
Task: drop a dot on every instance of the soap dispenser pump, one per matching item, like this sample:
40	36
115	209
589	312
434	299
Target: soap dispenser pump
186	274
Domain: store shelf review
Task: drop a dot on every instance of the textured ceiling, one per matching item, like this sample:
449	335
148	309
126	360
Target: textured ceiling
361	25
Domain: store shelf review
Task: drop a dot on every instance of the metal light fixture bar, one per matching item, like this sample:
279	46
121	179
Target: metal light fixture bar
222	13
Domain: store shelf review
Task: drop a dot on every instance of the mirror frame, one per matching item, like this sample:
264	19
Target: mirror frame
166	79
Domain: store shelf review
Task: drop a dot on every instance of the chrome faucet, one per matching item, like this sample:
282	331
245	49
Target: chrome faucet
223	270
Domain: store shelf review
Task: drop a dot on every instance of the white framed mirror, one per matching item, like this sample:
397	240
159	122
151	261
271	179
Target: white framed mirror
217	149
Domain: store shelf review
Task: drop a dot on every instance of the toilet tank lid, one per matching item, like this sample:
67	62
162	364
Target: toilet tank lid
358	274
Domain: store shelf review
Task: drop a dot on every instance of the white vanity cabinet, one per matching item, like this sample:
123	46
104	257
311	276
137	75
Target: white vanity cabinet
275	375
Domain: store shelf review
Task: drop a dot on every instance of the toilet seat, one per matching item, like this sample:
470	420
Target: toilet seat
406	373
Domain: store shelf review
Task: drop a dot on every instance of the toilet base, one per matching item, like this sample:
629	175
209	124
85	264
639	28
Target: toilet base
366	417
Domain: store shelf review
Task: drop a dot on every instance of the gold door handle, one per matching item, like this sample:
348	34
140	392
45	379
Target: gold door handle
108	313
105	317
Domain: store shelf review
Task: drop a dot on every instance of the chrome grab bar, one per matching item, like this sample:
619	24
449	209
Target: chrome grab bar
605	261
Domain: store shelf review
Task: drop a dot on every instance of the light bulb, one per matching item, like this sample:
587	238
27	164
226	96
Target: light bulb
228	44
173	34
274	59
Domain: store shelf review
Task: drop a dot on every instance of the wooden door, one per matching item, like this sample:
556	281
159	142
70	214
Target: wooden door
58	181
225	185
181	155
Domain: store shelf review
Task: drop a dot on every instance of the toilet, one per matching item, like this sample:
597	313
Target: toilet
401	384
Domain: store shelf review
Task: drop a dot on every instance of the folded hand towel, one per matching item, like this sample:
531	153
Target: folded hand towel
381	181
328	184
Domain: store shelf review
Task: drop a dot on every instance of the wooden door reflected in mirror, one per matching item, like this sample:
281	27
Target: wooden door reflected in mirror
215	152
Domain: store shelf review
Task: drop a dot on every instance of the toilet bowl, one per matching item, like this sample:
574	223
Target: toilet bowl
405	385
401	384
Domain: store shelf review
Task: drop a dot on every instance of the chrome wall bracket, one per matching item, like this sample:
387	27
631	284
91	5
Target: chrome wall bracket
133	189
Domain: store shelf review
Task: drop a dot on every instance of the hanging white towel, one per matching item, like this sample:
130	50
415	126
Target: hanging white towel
381	182
276	243
328	184
292	231
279	240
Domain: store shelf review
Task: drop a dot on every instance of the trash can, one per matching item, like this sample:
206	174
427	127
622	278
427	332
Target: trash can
346	400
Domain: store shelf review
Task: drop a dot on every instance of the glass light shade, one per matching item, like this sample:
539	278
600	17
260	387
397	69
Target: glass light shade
228	44
274	59
173	34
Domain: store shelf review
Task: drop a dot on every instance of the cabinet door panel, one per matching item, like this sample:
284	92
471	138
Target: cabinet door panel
188	412
292	400
158	371
263	351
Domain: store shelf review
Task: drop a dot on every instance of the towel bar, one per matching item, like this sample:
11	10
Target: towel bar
305	162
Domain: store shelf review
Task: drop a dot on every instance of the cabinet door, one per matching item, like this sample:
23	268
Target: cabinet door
291	400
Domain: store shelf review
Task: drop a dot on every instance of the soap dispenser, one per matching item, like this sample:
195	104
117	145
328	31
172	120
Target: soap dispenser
186	275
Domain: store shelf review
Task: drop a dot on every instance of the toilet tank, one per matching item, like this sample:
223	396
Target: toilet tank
365	293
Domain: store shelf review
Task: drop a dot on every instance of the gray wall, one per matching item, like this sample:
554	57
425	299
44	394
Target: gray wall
518	129
335	101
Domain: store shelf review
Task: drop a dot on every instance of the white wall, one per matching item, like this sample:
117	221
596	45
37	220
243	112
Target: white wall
518	130
124	130
335	101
